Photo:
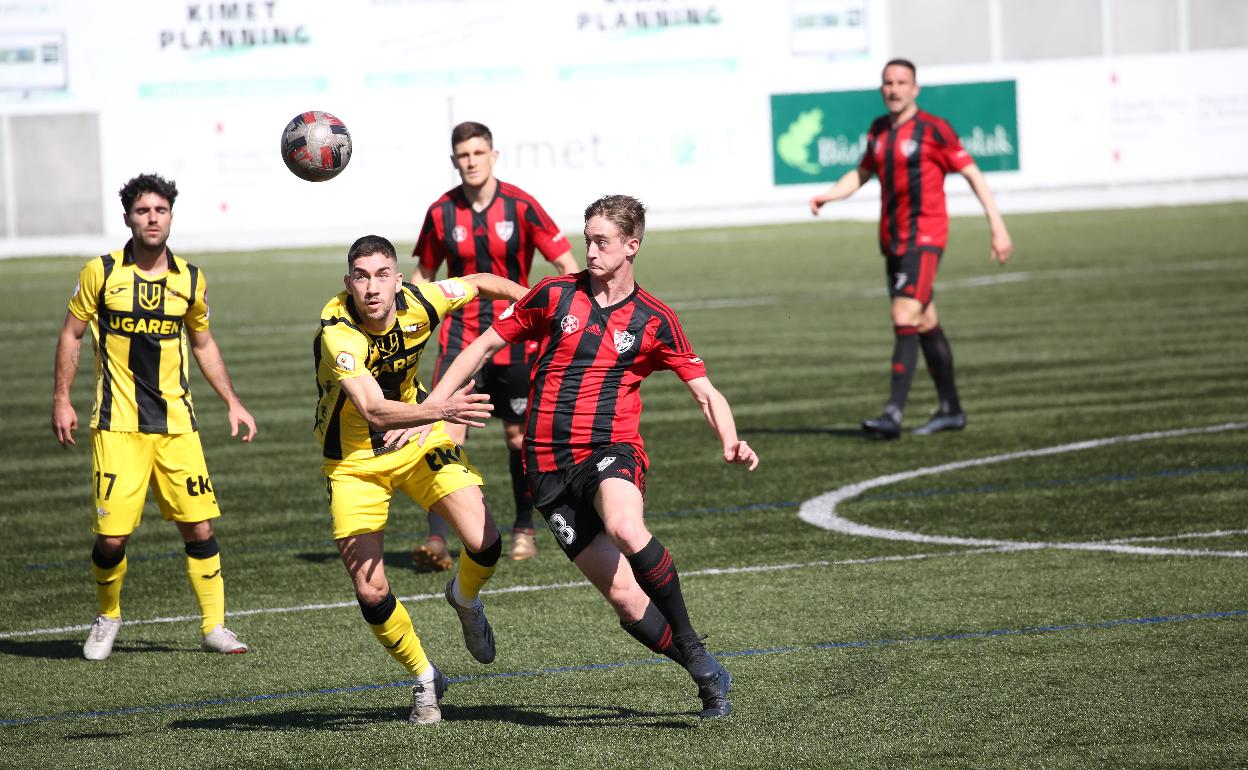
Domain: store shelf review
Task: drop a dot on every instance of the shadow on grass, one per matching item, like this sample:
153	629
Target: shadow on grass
69	649
359	719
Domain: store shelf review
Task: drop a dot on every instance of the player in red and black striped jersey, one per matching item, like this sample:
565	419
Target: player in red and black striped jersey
600	335
911	151
487	226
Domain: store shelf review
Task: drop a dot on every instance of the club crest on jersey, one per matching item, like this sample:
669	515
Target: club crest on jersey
908	146
519	405
605	463
569	324
459	234
623	341
151	295
504	229
389	344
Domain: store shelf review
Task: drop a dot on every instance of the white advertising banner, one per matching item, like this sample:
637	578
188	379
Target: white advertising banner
669	100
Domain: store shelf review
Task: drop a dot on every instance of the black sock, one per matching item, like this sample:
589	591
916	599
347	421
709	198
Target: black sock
520	492
905	356
656	574
655	633
376	614
939	357
487	556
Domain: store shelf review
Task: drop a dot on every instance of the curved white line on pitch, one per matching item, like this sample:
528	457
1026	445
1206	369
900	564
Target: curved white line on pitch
821	511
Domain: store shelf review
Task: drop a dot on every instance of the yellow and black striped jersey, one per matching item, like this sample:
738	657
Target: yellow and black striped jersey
344	349
139	324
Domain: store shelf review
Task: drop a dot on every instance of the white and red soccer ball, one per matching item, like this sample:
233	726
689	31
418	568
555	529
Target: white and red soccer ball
316	146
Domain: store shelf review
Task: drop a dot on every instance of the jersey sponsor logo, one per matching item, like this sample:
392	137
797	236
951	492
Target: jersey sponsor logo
413	328
908	146
519	405
504	229
605	463
570	324
623	341
452	289
459	234
345	361
165	327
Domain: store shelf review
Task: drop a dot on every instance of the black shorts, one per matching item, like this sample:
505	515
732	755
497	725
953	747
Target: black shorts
565	498
507	387
913	274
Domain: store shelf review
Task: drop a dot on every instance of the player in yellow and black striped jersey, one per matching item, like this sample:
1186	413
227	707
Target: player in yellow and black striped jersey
148	313
367	354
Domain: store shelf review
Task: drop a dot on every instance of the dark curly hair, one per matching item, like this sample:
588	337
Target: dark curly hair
147	183
371	244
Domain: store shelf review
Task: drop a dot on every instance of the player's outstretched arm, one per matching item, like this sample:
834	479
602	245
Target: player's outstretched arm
208	356
846	186
466	364
1001	246
460	406
493	286
719	415
68	348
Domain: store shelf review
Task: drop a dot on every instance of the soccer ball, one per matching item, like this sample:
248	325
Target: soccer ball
316	146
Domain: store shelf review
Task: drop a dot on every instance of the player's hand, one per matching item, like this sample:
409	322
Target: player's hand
1002	247
464	407
816	203
239	416
741	453
398	437
64	423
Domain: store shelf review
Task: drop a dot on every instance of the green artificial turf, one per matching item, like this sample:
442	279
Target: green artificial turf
846	651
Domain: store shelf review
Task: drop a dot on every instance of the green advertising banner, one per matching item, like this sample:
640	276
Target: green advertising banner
818	137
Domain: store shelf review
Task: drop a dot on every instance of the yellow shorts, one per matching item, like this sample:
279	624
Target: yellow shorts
360	491
125	465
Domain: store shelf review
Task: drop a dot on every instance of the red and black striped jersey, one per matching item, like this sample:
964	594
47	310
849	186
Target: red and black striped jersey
584	389
911	161
499	240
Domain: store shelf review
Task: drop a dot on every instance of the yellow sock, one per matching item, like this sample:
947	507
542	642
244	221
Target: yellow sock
108	587
209	588
471	577
398	636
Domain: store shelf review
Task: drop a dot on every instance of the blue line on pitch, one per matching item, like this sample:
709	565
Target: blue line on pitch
964	636
931	492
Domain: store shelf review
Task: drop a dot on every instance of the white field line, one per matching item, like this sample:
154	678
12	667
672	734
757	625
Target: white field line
514	590
821	511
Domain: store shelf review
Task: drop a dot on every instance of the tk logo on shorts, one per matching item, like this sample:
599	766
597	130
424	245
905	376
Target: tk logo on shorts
151	295
623	341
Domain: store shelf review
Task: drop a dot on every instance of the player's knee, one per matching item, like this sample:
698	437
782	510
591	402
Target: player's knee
629	533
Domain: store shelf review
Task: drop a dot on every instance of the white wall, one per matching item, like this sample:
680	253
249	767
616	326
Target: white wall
585	97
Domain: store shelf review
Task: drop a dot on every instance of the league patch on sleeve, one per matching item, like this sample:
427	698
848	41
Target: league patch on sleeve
507	313
345	361
452	289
